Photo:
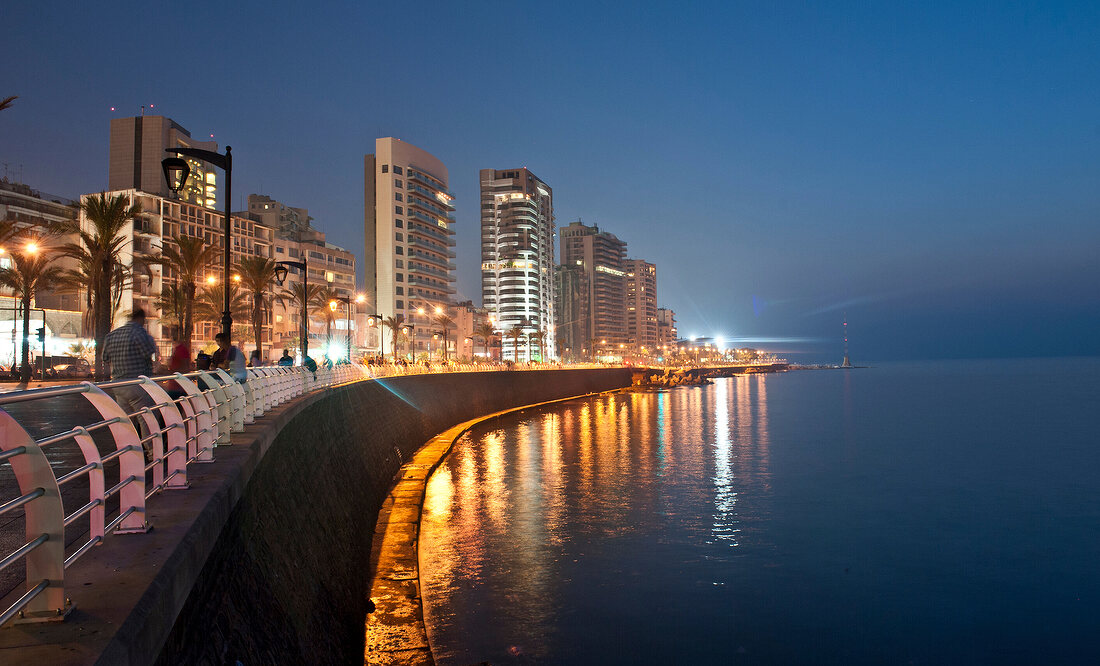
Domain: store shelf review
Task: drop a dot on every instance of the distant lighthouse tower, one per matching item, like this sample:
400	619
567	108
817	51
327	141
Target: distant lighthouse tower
847	363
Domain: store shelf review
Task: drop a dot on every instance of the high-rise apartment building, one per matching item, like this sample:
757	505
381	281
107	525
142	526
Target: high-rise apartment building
641	304
137	147
517	255
572	331
408	224
600	255
666	329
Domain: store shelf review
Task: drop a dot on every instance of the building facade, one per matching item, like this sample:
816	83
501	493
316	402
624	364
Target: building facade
136	149
409	236
600	256
517	254
571	309
161	221
666	329
641	305
331	266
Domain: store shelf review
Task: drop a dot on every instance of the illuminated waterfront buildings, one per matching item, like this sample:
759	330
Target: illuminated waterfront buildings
641	304
137	147
666	329
409	236
599	256
517	255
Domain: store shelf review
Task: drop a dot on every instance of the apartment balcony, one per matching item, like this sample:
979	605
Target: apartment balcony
444	201
429	271
430	208
414	174
432	234
430	284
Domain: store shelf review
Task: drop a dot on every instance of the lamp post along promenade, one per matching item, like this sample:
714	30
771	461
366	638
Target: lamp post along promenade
282	268
176	171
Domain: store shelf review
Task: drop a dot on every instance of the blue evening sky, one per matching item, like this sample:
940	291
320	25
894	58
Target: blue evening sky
930	168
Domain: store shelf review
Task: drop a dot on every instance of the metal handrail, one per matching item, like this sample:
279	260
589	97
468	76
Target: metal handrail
156	432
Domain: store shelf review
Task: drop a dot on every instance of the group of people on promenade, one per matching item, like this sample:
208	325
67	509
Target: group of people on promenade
130	350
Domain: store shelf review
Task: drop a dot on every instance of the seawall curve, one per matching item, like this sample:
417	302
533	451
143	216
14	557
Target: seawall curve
286	573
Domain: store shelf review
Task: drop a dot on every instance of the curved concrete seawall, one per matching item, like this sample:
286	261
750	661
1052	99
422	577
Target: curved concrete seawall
286	572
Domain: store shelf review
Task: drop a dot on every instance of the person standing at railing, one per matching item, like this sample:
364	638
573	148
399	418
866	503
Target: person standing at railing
286	360
181	357
229	358
129	350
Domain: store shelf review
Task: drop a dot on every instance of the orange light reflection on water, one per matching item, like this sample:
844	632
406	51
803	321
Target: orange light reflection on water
511	503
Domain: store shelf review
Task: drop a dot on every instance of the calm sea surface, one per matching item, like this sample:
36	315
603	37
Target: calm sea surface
905	514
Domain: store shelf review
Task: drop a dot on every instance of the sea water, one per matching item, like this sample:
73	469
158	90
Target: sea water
925	513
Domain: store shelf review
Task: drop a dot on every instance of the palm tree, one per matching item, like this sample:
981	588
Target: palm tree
516	332
301	296
328	296
173	305
538	336
257	274
188	258
211	302
8	231
98	253
446	324
80	350
394	324
6	102
30	273
485	331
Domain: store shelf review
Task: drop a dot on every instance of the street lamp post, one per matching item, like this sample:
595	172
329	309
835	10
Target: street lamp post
178	166
406	330
282	268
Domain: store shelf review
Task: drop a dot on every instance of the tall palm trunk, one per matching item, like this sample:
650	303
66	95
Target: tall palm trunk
189	289
257	322
25	368
102	315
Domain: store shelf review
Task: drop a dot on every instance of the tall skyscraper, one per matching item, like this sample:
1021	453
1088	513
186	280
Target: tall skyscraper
408	224
572	332
600	255
517	256
137	147
641	304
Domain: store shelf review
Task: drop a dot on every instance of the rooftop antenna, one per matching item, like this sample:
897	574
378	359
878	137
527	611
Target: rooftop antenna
847	363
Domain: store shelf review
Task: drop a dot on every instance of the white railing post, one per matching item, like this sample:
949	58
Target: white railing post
238	398
43	515
200	417
131	462
219	398
174	431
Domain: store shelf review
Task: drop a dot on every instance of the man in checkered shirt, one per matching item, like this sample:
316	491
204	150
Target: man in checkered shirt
130	349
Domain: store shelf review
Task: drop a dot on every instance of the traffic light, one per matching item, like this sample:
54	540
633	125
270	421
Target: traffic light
41	333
